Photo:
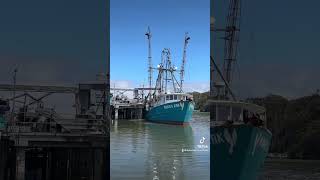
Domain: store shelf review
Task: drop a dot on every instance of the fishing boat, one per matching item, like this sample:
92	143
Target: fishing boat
4	108
240	139
174	108
168	103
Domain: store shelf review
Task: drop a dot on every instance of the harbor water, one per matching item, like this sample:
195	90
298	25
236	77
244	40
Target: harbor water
290	169
143	150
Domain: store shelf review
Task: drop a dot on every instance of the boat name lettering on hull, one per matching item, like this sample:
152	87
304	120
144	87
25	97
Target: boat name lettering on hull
229	138
170	106
217	138
261	142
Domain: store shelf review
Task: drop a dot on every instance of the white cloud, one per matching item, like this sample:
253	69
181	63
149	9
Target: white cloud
196	86
121	84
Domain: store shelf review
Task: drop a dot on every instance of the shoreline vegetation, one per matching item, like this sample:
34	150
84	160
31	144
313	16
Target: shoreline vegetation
294	123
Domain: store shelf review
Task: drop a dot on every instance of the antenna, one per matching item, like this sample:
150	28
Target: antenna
148	34
186	39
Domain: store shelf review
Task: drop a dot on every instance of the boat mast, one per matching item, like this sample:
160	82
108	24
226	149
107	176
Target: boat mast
186	39
148	34
166	70
166	67
169	70
231	40
162	64
14	93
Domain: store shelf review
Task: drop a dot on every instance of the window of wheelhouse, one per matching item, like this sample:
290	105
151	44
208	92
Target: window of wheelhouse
167	97
175	97
236	114
222	113
171	97
226	112
213	112
163	99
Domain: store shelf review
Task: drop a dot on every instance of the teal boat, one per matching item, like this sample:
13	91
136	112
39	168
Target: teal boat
168	103
4	108
173	108
239	140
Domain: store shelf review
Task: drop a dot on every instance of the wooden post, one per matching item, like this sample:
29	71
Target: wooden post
116	111
20	163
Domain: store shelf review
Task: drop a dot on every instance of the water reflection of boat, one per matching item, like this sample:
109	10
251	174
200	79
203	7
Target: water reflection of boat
172	134
165	144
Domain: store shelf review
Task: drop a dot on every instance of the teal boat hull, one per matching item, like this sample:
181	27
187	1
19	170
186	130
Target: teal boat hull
2	122
171	113
4	107
238	152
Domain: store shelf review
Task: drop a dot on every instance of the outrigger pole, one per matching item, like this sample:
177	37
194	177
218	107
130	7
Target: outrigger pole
186	39
224	80
148	34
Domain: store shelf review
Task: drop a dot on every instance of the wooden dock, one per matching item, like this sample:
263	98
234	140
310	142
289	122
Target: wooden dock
39	143
127	111
50	151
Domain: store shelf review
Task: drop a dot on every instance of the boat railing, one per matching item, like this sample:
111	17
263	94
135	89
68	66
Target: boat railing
236	112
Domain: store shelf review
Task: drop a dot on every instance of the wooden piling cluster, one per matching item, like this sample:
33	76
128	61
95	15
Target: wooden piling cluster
127	111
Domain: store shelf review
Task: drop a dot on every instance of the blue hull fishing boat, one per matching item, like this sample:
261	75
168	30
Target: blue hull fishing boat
244	158
172	112
4	108
239	142
240	139
168	103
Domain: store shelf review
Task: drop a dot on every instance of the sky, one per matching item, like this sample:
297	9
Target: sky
52	42
168	21
278	51
64	42
60	42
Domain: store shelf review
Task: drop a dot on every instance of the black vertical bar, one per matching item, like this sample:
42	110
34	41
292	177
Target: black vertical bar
108	119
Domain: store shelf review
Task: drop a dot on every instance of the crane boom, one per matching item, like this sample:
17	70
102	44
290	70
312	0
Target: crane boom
186	39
